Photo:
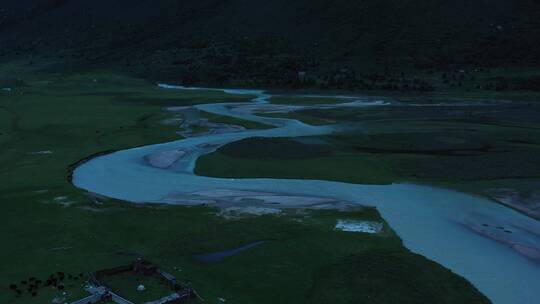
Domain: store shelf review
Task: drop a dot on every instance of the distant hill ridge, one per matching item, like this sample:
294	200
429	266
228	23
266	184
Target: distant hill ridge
226	40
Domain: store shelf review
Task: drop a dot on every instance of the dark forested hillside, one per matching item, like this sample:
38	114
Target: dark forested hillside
258	42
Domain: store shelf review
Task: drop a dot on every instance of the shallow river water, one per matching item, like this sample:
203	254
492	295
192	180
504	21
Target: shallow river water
470	235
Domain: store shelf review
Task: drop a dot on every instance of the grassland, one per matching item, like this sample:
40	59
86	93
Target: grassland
234	121
49	226
307	100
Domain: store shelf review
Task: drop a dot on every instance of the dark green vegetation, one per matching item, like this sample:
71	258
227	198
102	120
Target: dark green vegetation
378	268
470	148
49	226
394	45
258	148
307	100
234	121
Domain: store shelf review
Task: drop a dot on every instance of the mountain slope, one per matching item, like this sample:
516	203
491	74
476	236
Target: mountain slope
265	41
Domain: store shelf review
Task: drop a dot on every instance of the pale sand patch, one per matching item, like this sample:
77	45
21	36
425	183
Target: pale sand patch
234	198
518	236
165	159
229	193
527	251
529	204
224	198
359	226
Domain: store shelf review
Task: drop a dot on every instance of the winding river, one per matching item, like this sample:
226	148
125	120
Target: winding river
490	245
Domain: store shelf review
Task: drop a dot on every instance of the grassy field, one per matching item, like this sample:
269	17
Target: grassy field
49	226
233	121
311	100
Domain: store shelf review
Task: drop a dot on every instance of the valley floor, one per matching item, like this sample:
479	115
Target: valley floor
56	119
